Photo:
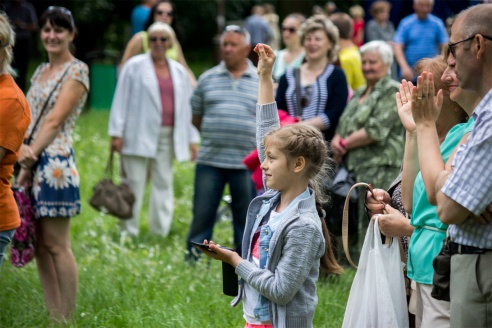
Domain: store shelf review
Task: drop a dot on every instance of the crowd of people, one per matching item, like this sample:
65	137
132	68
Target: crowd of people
405	109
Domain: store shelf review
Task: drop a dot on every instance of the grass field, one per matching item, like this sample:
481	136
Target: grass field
143	282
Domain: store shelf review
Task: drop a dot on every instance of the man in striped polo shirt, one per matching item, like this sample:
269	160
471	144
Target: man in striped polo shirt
223	105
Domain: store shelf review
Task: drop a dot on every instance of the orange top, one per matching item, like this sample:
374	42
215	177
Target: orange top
15	117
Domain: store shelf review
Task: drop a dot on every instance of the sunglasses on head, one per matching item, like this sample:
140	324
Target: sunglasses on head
234	28
288	29
62	10
154	39
167	13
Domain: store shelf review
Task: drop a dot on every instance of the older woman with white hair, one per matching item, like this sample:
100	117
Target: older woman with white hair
150	125
318	94
370	137
14	121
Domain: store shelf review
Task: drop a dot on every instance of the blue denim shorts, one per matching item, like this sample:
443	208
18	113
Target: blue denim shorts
5	238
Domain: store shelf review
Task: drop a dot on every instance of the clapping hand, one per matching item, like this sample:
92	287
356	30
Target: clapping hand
426	106
404	104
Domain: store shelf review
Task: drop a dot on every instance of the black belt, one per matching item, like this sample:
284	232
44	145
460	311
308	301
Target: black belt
455	248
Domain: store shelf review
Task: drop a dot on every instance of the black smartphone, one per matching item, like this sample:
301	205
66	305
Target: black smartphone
205	246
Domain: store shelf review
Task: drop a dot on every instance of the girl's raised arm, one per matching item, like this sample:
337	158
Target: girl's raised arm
265	81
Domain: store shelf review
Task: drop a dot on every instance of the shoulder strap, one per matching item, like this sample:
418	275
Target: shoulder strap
297	77
145	41
45	105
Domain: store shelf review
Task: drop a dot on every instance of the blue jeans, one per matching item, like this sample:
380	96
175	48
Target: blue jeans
209	186
5	238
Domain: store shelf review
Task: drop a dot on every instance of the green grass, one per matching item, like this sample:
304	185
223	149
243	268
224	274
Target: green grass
143	282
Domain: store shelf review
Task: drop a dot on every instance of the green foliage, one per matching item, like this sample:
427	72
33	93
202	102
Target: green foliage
141	282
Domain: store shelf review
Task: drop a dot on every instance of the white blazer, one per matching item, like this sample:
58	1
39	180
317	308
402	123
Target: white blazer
136	111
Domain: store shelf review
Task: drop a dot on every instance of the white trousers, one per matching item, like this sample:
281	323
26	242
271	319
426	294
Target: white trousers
159	171
430	313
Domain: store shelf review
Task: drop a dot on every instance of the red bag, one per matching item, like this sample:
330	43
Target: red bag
23	246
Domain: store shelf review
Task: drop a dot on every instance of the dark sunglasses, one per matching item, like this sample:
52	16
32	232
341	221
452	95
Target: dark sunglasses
167	13
289	29
308	91
62	10
154	39
452	46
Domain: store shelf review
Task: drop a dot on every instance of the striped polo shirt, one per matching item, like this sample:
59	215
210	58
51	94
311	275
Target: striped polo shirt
228	109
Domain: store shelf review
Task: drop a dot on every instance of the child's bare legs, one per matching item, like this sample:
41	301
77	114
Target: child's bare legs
57	267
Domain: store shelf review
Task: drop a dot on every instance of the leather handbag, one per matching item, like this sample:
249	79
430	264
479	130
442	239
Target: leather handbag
111	198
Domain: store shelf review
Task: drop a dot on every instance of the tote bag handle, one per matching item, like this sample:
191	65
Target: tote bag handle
345	224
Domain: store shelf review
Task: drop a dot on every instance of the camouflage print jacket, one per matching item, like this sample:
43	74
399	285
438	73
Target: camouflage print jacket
378	115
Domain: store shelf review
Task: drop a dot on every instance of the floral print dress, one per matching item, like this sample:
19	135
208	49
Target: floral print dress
55	186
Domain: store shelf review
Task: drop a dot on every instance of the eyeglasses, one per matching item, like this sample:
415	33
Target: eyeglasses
167	13
154	39
308	91
289	29
64	11
452	46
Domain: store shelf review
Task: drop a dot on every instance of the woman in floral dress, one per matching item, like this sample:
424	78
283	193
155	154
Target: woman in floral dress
59	87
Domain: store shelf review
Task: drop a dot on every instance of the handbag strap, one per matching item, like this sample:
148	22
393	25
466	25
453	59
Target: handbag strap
43	109
345	225
345	221
297	77
109	166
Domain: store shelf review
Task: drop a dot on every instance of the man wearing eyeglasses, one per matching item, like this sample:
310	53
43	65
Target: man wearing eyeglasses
223	106
465	191
420	35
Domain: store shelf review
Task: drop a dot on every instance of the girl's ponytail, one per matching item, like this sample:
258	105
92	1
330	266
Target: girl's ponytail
328	261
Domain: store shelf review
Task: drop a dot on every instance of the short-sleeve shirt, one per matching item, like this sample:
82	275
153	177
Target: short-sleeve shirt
38	93
140	15
280	66
425	244
14	120
470	183
227	106
420	38
352	66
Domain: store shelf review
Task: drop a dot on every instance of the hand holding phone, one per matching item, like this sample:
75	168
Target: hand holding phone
203	246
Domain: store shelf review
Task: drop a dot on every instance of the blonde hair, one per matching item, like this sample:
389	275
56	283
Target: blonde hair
302	140
357	11
7	41
321	22
163	27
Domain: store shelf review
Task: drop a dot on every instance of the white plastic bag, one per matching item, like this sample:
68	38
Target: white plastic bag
377	298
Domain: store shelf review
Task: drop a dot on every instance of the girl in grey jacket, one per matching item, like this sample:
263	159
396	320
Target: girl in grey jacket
285	237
